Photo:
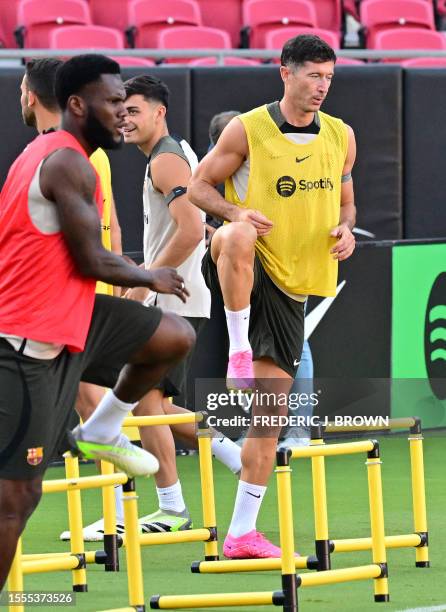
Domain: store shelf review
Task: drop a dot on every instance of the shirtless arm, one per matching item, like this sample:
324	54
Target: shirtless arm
346	240
67	179
225	158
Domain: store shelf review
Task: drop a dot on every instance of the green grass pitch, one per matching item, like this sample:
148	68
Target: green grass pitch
167	568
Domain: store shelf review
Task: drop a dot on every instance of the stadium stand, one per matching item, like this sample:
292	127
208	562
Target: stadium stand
86	37
192	37
148	19
138	62
8	22
276	38
110	13
409	38
225	15
424	62
379	15
263	16
37	19
227	61
329	14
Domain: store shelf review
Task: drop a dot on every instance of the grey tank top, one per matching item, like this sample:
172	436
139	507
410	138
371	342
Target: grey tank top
159	226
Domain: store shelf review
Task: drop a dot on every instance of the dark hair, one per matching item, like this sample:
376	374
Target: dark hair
218	124
79	71
149	87
306	48
41	79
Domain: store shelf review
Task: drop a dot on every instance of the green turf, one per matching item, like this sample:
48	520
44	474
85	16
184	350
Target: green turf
166	568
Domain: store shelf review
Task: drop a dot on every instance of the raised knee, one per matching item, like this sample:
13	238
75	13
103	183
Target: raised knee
183	335
186	338
239	235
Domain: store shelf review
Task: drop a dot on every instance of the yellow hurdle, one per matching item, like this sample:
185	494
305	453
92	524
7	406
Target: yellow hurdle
420	538
111	544
75	526
287	596
76	559
133	548
208	533
15	577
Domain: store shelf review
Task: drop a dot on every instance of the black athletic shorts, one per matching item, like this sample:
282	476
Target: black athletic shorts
175	381
276	325
37	395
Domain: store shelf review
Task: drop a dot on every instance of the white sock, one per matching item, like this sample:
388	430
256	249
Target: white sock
246	508
119	505
228	452
171	498
104	425
238	327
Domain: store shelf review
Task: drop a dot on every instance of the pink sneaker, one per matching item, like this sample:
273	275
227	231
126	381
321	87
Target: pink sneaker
252	545
240	374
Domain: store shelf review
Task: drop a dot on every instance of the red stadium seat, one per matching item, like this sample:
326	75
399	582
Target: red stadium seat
328	14
379	15
409	38
348	61
223	14
440	6
147	19
192	37
425	62
140	62
350	8
228	61
36	19
110	13
262	16
86	37
8	22
277	38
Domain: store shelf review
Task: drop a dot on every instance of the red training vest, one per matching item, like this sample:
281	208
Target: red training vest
42	295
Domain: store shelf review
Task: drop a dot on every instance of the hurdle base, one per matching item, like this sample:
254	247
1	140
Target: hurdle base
111	547
382	598
422	563
100	557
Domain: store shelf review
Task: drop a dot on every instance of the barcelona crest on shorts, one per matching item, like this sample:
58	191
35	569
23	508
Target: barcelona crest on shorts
35	455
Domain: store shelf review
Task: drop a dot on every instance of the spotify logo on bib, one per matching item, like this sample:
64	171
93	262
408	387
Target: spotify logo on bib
286	186
435	337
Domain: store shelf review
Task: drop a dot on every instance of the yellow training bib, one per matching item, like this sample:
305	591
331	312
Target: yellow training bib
99	160
298	187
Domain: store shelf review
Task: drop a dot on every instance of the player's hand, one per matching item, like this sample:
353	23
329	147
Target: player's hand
138	294
166	280
262	224
346	242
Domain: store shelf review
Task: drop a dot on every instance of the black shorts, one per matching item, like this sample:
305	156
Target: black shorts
37	395
174	383
276	325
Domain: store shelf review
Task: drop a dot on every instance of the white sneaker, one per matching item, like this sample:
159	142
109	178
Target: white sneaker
127	457
93	532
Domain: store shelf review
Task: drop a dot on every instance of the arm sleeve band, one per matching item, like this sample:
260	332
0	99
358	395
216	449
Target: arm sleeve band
175	193
346	177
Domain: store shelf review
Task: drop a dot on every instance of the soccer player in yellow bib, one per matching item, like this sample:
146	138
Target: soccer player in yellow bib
40	110
290	210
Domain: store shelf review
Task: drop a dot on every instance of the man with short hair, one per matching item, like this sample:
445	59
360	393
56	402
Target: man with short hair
40	110
53	329
290	206
218	124
174	236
